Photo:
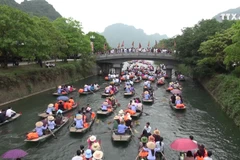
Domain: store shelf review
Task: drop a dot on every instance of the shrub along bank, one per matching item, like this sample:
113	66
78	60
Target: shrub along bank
20	83
226	91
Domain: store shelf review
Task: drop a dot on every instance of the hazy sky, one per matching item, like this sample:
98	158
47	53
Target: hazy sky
153	16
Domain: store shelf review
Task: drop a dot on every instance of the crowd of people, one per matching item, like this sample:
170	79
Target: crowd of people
64	89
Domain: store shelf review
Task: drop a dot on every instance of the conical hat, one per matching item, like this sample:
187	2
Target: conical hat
79	116
178	98
50	118
116	117
50	105
156	132
151	145
105	103
39	124
59	87
98	155
92	138
96	146
121	112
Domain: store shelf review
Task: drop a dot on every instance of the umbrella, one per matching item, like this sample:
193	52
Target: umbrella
183	145
15	153
176	91
63	98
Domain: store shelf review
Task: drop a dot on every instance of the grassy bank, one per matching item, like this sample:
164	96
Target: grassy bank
226	90
26	80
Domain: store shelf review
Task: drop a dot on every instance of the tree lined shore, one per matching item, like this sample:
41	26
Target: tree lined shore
38	38
210	53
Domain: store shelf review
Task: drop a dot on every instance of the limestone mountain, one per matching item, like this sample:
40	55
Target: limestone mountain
34	7
231	13
117	33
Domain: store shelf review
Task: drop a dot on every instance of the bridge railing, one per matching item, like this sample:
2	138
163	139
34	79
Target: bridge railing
119	55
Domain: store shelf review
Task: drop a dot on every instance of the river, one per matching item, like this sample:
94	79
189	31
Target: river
203	119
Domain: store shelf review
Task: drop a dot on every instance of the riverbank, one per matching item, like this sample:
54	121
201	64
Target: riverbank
225	89
24	83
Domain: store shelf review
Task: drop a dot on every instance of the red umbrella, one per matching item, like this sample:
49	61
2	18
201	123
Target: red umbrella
176	91
183	145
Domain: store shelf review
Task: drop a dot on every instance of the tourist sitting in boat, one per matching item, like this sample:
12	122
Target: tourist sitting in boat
51	123
160	146
127	90
121	128
96	86
105	106
88	115
60	106
88	154
132	89
137	100
71	100
40	128
92	139
156	134
132	109
131	82
95	147
128	120
67	105
176	85
92	87
151	149
107	90
178	102
148	128
98	155
2	116
79	122
50	110
78	156
10	113
116	122
146	95
143	143
85	89
173	99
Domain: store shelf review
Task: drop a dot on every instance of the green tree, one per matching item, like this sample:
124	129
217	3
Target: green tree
99	42
213	51
71	30
16	33
232	51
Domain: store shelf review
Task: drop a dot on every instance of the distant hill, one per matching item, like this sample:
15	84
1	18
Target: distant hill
230	11
117	33
34	7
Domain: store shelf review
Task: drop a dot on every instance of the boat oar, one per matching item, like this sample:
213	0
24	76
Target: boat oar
91	91
164	158
147	114
138	154
52	133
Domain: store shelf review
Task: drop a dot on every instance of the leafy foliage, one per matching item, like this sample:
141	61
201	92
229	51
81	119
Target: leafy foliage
33	38
99	42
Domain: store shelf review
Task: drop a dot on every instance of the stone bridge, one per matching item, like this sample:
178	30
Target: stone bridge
115	60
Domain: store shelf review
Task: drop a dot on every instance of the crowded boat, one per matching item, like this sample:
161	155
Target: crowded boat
8	115
89	89
64	90
107	107
110	91
176	102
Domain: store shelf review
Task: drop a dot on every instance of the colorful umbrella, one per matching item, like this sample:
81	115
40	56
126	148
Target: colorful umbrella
183	145
176	91
63	98
15	153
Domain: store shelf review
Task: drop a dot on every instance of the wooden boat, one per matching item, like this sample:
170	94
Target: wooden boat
108	95
73	129
89	92
121	138
129	93
181	79
151	100
65	120
11	119
64	94
45	115
159	82
175	108
106	113
137	114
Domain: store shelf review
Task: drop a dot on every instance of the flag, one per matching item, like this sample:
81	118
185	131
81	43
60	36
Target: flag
118	45
122	44
155	43
174	44
105	46
148	44
133	44
140	46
